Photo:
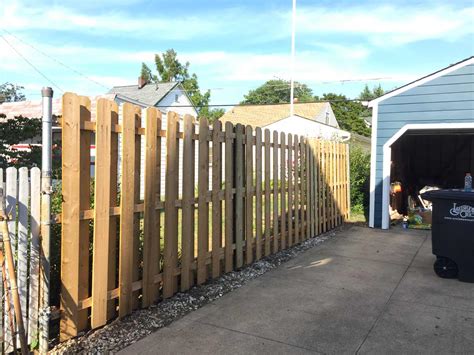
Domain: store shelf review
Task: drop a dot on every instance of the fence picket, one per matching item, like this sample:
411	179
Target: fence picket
101	244
229	195
113	191
239	195
283	187
249	195
309	193
296	177
76	197
216	201
127	202
3	345
258	193
275	193
137	221
267	192
22	263
35	212
324	185
187	243
291	168
203	204
11	204
171	211
151	239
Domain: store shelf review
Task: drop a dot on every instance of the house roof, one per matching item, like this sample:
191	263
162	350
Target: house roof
264	115
423	80
34	109
149	95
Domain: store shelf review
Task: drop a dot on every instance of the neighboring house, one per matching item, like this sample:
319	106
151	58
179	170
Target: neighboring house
422	134
169	96
309	119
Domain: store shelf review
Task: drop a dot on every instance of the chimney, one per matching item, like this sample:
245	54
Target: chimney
141	82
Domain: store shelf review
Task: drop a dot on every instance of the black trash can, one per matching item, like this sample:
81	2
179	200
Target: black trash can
452	233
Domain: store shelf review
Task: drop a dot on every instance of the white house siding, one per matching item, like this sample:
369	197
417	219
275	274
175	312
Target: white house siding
307	128
170	104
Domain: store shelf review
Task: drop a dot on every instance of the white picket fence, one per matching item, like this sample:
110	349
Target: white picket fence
23	199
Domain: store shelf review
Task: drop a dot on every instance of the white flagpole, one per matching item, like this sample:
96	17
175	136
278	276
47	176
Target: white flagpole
292	84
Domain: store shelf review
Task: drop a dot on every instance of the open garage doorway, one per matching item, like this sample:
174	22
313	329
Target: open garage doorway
428	159
420	157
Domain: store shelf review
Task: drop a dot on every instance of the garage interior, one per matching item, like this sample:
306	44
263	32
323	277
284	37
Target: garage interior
429	158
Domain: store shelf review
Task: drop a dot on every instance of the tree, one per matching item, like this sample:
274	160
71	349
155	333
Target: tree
277	92
146	74
169	68
19	130
349	114
10	93
368	95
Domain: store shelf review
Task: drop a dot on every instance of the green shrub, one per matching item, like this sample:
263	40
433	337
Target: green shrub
360	179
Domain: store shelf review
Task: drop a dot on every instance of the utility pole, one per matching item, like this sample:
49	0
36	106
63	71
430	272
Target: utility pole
292	69
46	190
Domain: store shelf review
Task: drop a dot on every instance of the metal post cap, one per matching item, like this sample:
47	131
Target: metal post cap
47	92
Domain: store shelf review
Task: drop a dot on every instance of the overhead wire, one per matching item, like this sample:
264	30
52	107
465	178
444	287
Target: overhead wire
278	87
32	65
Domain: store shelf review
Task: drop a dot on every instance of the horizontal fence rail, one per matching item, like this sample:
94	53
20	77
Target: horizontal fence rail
23	196
246	193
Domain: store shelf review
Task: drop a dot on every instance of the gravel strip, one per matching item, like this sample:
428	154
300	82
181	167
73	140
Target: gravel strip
123	332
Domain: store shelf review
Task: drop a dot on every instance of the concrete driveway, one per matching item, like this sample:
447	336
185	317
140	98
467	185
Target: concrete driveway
363	291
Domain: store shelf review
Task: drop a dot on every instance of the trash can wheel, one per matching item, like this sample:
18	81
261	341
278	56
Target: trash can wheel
445	268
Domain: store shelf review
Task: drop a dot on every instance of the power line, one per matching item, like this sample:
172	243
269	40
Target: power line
32	65
56	60
277	104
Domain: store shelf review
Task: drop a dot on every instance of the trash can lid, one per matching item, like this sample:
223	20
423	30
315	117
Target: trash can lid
448	194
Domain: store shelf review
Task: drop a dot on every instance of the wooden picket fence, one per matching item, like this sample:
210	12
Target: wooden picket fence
257	193
22	191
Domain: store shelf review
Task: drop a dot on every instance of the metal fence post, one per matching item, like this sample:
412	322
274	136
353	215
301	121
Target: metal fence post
46	190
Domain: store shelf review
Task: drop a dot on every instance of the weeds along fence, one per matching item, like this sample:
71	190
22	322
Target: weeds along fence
22	191
257	193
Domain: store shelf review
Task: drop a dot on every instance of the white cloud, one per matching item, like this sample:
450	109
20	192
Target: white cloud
377	24
388	25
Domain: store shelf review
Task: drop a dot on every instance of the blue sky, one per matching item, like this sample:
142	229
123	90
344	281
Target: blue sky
233	46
